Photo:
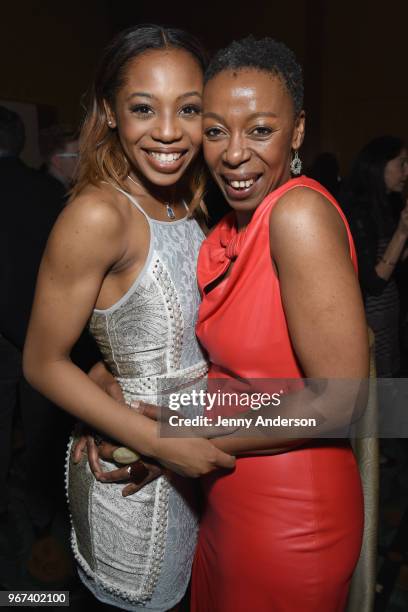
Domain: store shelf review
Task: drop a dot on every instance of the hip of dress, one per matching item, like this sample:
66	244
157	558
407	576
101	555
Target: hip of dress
286	529
133	552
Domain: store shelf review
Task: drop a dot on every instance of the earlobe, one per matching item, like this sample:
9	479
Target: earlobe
110	117
299	131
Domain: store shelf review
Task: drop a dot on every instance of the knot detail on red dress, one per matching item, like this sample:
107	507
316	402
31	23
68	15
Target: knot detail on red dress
232	243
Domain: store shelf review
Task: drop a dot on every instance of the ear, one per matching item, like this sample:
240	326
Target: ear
110	115
299	131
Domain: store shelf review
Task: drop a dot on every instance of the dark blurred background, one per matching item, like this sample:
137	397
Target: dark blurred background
353	53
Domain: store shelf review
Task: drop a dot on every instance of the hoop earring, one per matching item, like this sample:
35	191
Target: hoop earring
296	164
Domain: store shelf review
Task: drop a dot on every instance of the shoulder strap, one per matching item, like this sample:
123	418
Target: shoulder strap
132	200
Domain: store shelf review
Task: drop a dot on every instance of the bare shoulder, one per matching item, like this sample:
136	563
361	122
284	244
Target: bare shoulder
304	212
92	225
95	209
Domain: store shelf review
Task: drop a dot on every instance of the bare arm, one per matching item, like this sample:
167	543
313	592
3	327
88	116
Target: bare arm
323	307
395	248
88	239
84	244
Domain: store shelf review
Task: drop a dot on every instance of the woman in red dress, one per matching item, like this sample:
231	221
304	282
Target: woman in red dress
280	299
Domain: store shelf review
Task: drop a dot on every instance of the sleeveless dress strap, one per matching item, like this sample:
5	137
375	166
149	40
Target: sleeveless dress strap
132	201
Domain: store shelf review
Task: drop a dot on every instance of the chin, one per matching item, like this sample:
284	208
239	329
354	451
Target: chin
243	205
165	180
246	204
161	179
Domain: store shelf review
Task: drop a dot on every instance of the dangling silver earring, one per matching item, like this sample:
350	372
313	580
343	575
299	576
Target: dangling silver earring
296	164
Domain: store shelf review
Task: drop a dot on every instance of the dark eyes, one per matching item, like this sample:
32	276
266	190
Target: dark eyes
143	110
212	132
262	131
191	110
259	132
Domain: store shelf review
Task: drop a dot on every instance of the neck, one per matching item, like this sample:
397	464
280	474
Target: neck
172	195
243	218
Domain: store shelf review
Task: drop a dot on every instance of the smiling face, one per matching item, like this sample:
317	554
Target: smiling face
158	115
250	131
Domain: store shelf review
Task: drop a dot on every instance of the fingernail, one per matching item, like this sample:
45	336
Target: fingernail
136	405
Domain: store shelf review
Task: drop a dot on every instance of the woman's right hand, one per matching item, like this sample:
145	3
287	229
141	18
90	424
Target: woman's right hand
188	456
192	457
403	220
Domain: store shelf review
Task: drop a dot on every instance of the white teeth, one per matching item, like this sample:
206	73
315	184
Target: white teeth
242	184
165	157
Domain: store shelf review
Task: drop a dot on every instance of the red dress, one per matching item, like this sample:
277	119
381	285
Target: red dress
280	533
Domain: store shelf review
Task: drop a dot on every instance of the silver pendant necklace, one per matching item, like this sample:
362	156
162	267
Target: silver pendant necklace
170	212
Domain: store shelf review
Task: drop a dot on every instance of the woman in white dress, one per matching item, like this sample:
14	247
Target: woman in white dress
122	256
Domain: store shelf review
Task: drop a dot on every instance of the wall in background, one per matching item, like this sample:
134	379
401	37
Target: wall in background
353	53
364	84
49	50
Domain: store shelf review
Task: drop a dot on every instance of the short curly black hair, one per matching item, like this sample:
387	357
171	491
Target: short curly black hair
265	54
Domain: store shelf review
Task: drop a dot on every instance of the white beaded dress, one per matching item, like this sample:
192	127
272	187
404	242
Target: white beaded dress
136	552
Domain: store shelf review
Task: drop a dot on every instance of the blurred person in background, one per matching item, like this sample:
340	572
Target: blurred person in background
378	177
30	205
59	150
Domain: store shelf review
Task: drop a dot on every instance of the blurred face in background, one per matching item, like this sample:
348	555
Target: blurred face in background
64	163
396	172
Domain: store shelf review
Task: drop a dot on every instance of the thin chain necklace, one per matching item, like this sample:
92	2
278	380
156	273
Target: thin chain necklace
170	212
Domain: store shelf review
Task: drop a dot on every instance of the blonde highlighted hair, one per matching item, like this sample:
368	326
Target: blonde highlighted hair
101	154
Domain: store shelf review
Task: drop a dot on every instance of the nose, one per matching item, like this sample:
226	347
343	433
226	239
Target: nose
236	152
167	129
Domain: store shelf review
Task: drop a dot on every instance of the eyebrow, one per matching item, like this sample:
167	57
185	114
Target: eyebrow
139	94
190	93
144	94
253	116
